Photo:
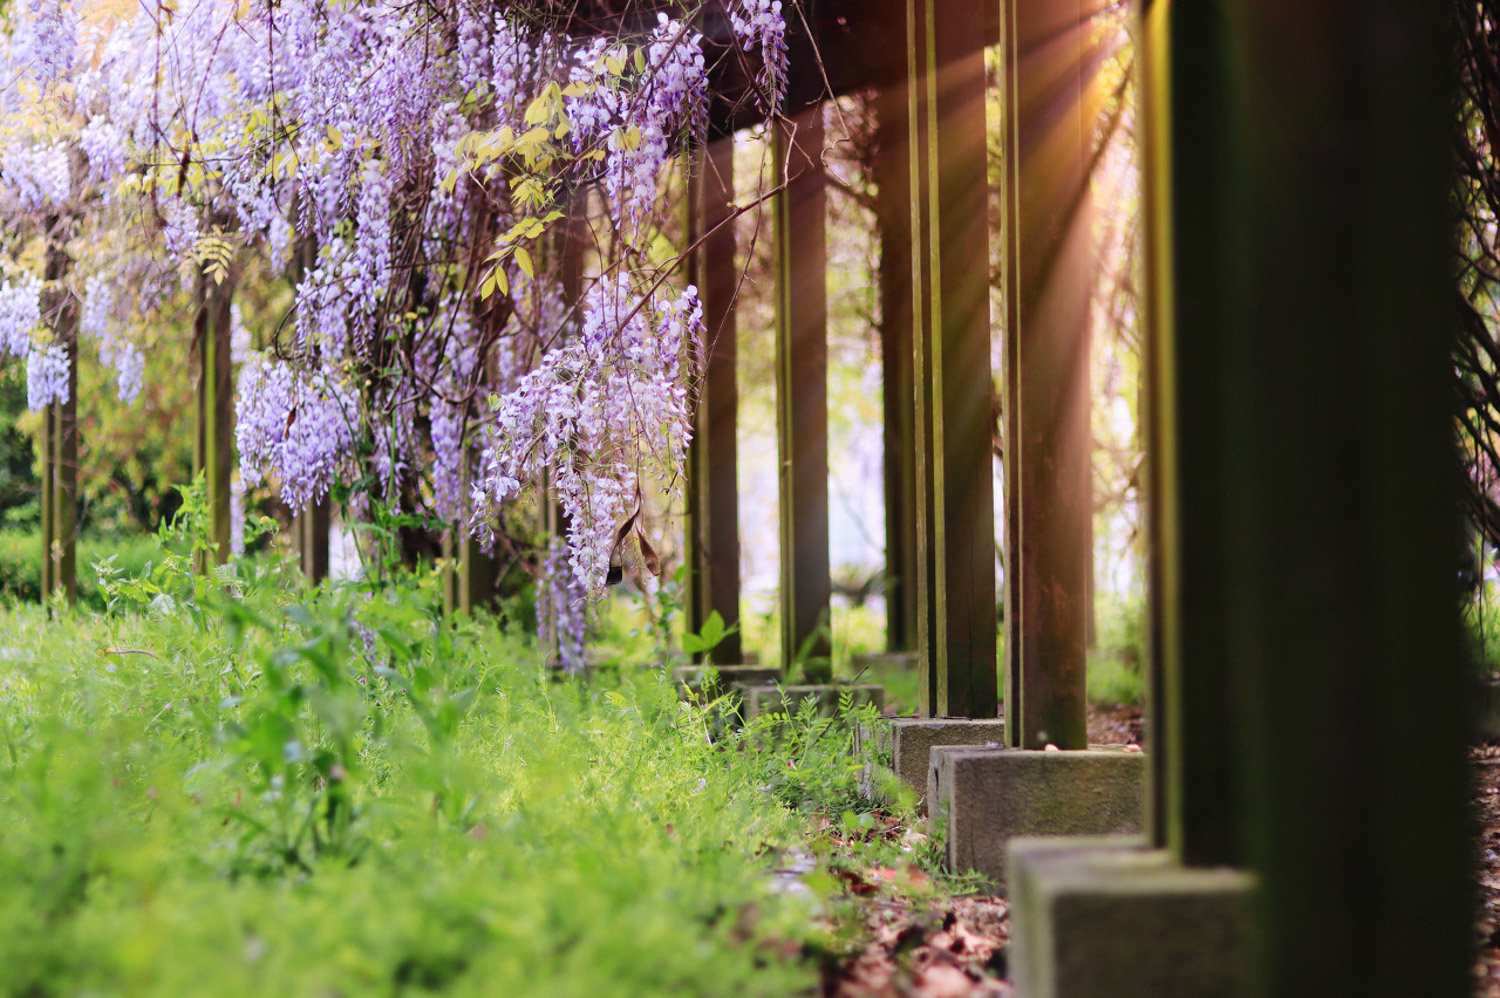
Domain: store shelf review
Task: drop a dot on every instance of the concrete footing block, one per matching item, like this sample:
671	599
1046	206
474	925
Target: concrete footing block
992	795
1107	917
883	660
907	742
771	699
729	676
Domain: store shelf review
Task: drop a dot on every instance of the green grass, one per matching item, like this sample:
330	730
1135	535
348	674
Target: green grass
230	785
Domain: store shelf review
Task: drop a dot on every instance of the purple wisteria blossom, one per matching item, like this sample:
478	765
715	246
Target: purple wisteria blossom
46	376
586	410
295	427
760	26
20	313
562	608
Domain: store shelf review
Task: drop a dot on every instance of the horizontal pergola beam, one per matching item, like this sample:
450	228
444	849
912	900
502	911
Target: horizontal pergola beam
835	47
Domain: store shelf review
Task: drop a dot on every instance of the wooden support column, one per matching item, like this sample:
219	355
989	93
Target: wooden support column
49	505
60	434
802	393
312	523
713	541
213	454
1304	507
478	570
1048	442
1195	809
312	539
951	334
893	201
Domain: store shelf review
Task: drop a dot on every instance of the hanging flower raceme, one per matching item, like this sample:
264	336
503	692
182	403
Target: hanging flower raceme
639	112
46	376
561	606
595	413
296	427
37	175
96	321
20	313
760	26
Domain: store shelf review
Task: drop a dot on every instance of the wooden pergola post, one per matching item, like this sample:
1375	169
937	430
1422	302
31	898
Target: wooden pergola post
1194	807
312	526
1308	682
893	210
713	534
213	451
955	576
60	434
49	505
802	393
1048	441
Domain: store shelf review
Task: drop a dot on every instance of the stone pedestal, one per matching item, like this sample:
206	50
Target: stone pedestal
992	795
909	742
770	699
729	676
1106	917
883	660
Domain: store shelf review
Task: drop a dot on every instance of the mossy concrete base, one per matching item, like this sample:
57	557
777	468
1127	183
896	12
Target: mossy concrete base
730	677
992	795
771	699
1096	917
884	660
907	742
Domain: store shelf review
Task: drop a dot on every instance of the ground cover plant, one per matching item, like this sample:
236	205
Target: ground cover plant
234	778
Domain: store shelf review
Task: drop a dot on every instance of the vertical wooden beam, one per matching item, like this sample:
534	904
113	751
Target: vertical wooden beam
1303	490
802	393
713	459
65	491
1340	494
478	570
450	571
213	454
478	573
49	504
1185	161
951	337
893	199
60	434
312	536
1048	261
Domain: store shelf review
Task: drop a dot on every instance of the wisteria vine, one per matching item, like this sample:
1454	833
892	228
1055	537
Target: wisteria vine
411	171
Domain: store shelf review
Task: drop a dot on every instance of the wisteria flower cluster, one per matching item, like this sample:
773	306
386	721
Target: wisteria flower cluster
584	411
562	608
297	427
639	115
407	169
20	313
47	370
47	373
37	175
760	27
97	321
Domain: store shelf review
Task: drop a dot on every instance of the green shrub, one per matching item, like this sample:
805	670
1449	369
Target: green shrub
1115	665
219	783
21	563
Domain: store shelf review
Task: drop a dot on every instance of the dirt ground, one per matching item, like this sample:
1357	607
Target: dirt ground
951	949
1486	801
958	947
